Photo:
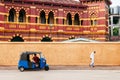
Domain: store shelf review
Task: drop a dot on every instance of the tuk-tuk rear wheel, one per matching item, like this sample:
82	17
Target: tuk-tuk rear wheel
46	68
21	69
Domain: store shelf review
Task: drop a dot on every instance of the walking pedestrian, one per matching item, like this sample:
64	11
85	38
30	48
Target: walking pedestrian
92	58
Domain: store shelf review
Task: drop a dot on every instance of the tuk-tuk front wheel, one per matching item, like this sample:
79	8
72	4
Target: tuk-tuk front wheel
46	68
21	69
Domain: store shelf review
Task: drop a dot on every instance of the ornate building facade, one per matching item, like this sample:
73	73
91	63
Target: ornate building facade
53	20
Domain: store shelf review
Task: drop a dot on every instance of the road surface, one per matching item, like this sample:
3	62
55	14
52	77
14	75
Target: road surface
60	75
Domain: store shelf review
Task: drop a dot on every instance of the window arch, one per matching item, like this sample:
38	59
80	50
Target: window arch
50	18
17	39
76	19
69	19
22	16
93	20
72	37
12	15
42	17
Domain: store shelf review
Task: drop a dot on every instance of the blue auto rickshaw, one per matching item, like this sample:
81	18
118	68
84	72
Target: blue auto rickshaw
26	62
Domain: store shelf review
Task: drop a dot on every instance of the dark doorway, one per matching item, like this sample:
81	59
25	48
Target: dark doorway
17	39
46	39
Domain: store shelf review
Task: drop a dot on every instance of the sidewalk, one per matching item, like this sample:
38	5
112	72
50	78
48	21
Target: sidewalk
69	68
85	68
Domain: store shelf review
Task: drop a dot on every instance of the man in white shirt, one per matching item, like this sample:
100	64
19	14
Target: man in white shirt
92	58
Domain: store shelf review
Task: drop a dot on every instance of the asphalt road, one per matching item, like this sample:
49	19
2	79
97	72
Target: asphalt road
60	75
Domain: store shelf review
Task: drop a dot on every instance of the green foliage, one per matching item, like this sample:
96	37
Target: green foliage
116	31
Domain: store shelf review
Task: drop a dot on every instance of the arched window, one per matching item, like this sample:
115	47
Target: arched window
51	18
93	20
22	15
46	39
76	19
69	19
42	17
12	15
17	39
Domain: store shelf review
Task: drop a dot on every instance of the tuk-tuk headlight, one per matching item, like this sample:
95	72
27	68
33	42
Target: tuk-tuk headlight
44	61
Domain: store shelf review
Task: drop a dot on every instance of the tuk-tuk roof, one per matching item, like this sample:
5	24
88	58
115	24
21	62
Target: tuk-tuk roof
24	55
31	52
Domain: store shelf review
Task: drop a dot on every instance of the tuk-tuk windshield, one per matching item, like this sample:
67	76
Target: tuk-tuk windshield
42	56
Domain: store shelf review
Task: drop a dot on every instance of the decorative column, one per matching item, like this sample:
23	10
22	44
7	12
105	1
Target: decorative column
119	31
38	20
55	20
2	12
80	22
47	19
112	25
64	21
26	19
7	18
72	21
17	16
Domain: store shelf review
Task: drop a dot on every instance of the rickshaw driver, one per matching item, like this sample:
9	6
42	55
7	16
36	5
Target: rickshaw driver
36	60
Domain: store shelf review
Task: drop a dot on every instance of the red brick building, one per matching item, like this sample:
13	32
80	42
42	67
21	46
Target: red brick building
53	20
